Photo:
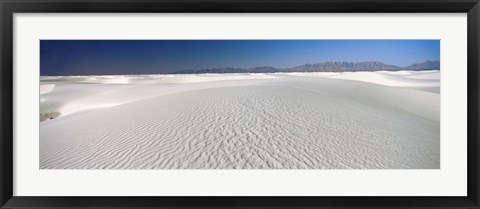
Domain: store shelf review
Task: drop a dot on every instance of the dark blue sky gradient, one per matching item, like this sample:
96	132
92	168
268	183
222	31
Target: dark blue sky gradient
102	57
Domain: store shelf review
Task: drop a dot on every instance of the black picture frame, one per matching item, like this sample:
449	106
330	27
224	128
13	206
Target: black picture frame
9	7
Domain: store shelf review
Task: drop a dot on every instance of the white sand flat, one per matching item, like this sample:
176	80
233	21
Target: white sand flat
243	121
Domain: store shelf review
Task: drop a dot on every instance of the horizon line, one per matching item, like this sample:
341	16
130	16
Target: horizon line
178	70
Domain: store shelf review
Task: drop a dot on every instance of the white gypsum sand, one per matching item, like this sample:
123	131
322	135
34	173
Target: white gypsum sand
373	120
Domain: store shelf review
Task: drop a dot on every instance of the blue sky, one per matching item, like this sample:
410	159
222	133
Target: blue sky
99	57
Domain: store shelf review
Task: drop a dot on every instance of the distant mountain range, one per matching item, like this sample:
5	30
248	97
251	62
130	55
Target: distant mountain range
321	67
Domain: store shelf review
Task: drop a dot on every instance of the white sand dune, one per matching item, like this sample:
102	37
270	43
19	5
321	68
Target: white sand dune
243	121
46	88
387	78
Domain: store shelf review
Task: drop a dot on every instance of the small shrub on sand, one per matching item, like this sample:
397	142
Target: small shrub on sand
48	116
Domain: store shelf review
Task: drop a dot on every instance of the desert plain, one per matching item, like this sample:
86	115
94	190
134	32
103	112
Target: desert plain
316	120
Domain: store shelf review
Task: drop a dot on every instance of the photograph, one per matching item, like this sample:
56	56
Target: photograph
239	104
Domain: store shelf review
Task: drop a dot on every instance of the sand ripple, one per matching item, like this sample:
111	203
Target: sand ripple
295	124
